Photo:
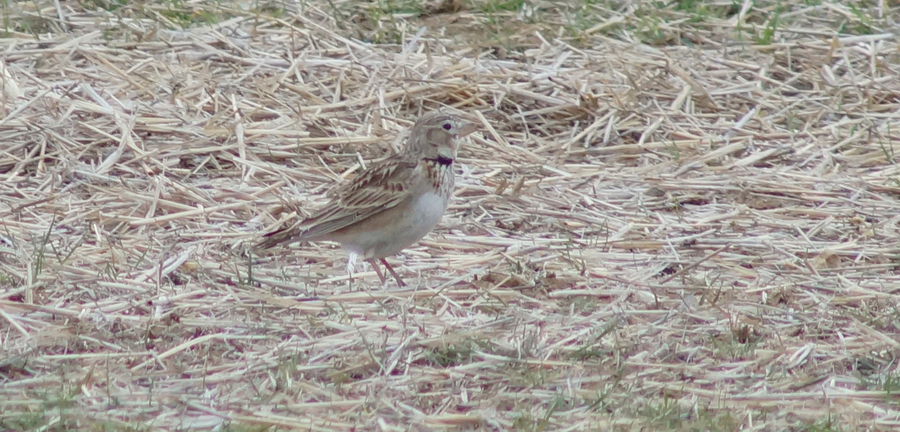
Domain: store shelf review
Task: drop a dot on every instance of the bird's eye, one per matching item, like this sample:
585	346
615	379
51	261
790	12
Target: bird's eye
447	126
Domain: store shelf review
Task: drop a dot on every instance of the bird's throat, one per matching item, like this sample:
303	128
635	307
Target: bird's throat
441	160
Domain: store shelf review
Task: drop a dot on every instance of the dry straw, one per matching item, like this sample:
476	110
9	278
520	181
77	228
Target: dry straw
668	221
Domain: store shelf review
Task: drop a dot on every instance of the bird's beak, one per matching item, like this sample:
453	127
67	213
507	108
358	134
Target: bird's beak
468	126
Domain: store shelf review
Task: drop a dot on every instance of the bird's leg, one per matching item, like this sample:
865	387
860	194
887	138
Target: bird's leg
377	270
393	273
351	264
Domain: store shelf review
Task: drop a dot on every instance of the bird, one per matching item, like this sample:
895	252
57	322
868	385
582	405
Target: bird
392	204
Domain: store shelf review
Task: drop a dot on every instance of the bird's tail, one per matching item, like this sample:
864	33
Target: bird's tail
277	237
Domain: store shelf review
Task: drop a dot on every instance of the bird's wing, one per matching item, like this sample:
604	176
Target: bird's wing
384	185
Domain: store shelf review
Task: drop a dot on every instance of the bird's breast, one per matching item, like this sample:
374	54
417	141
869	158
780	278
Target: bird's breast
440	178
427	210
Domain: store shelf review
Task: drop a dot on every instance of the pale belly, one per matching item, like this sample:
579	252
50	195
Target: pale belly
394	230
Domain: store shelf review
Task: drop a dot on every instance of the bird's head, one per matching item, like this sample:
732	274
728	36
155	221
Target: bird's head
436	136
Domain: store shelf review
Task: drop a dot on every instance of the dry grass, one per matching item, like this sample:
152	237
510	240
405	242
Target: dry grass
675	217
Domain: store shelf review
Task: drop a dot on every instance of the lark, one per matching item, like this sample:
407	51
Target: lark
392	204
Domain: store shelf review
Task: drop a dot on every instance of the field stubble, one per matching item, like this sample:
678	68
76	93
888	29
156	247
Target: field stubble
675	216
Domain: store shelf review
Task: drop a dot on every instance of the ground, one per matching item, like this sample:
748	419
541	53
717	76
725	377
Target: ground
674	216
